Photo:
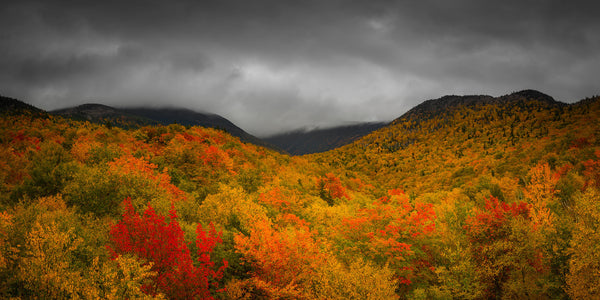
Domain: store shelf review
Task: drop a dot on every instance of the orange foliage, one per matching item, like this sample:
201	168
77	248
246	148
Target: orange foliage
330	187
281	261
592	171
130	165
393	231
276	199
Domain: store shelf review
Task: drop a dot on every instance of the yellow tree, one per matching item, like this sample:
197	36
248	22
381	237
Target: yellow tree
583	280
540	191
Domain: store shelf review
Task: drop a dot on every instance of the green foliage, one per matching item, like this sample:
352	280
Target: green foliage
51	169
93	190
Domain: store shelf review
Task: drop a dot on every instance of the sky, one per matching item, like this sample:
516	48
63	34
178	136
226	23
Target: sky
276	65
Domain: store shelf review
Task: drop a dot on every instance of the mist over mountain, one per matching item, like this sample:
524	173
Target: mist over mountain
189	117
104	114
297	142
320	140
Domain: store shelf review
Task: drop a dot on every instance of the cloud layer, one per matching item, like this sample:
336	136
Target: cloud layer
272	66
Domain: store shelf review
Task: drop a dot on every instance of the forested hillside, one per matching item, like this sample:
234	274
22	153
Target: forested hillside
514	185
131	118
461	198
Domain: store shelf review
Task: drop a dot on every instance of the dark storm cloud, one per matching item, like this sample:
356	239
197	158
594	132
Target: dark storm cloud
278	65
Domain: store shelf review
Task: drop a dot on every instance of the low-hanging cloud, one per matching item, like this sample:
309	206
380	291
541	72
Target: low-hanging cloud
271	66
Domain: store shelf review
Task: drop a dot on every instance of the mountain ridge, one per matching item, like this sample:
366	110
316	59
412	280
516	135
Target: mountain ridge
302	142
448	103
141	116
294	142
10	105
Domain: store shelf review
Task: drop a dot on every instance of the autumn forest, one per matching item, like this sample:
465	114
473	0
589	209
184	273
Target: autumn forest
463	197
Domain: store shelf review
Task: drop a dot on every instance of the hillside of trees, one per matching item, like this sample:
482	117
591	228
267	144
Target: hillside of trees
462	199
131	118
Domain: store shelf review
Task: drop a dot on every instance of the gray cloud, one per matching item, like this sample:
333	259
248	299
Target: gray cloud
272	65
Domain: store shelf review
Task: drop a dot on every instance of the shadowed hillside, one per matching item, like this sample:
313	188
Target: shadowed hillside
321	140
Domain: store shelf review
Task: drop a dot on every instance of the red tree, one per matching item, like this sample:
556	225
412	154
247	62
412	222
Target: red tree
149	237
330	187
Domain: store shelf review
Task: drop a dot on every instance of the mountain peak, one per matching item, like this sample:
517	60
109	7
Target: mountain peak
529	95
434	107
430	108
90	110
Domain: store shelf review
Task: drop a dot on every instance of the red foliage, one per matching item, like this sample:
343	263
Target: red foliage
332	186
21	143
592	172
394	231
491	224
495	248
152	239
580	143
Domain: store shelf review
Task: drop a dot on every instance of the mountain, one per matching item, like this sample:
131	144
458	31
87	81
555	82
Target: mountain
103	114
188	117
320	140
136	117
447	104
456	140
13	106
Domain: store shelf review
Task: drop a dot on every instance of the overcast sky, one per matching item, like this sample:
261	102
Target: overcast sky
272	66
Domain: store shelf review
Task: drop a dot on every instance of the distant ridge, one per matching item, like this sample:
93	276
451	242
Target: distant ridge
100	113
295	143
135	117
321	140
189	117
13	106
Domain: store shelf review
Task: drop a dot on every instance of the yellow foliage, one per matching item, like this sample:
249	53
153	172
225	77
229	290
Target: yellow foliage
583	280
45	269
359	280
7	251
540	192
119	279
231	203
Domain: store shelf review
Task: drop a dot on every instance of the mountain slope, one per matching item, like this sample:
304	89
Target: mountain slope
103	114
188	117
447	104
454	140
321	140
136	117
13	106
